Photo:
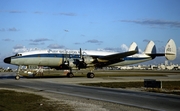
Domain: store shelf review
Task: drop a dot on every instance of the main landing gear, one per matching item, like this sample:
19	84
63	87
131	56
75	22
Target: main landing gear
89	74
70	75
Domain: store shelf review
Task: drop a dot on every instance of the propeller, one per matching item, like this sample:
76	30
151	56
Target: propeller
65	59
80	53
80	62
66	62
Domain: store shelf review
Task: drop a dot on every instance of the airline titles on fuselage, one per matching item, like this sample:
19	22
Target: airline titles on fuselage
66	51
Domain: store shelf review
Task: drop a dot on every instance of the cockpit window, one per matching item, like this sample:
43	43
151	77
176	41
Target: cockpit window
18	54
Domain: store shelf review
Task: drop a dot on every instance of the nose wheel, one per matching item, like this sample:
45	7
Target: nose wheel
17	77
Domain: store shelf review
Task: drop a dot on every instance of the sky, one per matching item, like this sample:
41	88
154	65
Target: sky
87	24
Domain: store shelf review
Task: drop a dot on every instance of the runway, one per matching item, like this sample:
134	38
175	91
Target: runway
146	100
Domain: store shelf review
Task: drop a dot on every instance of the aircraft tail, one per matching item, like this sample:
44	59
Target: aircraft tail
150	48
170	50
133	47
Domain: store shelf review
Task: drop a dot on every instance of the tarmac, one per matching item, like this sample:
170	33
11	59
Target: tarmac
105	76
67	89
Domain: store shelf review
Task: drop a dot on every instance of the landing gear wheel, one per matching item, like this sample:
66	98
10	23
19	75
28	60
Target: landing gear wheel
17	77
90	75
70	75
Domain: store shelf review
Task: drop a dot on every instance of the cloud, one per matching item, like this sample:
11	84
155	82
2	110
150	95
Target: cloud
94	41
7	40
39	40
13	29
18	47
124	47
66	30
21	48
67	14
154	22
82	35
77	43
38	12
146	40
93	22
10	29
16	11
55	46
158	41
35	43
111	49
2	30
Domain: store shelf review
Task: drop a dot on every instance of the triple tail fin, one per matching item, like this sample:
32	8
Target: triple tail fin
170	50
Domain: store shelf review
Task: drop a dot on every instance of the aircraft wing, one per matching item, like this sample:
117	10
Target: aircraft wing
117	56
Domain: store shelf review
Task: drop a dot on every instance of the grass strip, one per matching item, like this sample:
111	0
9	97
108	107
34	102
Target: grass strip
19	101
170	87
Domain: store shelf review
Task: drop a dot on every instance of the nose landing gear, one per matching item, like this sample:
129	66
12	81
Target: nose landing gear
17	77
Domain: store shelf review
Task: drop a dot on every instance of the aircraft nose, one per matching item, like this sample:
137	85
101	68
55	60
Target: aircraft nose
7	60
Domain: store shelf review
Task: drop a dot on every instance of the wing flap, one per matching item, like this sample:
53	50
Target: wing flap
116	56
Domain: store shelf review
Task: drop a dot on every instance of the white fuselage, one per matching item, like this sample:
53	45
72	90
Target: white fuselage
56	57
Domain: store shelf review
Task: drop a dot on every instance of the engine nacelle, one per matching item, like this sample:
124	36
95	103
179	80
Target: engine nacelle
88	59
71	63
79	63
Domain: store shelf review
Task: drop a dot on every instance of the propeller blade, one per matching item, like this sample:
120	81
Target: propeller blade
80	53
66	56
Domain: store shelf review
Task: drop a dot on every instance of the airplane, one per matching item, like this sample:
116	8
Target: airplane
61	59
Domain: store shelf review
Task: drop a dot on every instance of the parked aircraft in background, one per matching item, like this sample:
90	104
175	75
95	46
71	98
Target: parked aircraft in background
70	59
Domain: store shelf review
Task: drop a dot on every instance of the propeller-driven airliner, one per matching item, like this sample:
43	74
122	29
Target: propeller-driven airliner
61	59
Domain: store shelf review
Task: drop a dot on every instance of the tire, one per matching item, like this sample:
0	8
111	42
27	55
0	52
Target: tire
70	75
17	77
90	75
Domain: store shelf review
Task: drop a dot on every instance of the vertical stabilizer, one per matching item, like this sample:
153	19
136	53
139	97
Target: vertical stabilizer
133	47
150	48
170	50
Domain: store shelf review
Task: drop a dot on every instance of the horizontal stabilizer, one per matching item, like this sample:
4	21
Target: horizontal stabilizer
170	50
